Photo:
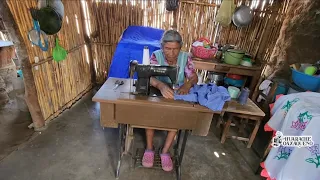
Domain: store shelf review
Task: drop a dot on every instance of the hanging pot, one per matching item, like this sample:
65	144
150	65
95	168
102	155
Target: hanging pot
172	5
49	15
56	4
242	16
215	78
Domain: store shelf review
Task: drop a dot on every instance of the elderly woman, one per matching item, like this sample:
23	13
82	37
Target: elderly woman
169	54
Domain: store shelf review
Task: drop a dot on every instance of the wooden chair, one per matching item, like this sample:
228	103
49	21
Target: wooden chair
264	105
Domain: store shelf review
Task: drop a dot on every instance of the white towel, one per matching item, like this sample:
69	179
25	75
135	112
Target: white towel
265	88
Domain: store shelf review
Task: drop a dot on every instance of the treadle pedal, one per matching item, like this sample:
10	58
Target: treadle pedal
157	161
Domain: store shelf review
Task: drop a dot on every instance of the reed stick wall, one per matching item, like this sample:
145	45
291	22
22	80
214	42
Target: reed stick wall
260	36
106	20
103	21
197	19
58	84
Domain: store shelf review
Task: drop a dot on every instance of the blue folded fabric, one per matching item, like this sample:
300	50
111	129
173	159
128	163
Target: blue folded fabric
208	95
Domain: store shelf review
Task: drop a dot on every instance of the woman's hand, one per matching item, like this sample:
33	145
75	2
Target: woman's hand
184	89
166	91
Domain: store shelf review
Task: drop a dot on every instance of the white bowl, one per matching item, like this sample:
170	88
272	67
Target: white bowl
246	63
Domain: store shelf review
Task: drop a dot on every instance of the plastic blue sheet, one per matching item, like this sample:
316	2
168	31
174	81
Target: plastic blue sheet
130	47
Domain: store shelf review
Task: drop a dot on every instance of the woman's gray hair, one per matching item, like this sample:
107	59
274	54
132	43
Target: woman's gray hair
171	36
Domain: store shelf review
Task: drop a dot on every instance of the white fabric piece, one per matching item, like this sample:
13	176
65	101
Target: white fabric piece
296	115
197	43
265	88
265	84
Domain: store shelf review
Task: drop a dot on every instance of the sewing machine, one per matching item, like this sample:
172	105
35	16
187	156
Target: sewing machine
145	72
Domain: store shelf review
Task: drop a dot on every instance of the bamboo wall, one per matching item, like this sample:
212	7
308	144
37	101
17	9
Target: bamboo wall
254	38
195	19
103	21
58	84
106	20
260	36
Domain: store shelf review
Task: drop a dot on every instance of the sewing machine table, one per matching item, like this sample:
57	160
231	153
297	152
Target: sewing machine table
120	107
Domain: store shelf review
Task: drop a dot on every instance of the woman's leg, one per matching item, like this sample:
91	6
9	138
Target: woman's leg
149	134
169	140
148	156
166	161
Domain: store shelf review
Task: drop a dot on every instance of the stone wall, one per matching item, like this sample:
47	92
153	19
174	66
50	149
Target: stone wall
299	38
6	55
7	75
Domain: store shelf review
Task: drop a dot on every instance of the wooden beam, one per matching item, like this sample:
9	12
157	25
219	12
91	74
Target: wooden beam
89	47
174	25
31	96
51	57
199	3
267	30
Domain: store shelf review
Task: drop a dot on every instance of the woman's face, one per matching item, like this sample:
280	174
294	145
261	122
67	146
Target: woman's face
171	50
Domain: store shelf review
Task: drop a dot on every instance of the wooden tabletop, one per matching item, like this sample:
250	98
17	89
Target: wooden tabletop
122	95
210	62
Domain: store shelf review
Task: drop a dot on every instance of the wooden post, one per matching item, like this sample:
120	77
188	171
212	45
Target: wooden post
267	30
31	96
175	19
88	43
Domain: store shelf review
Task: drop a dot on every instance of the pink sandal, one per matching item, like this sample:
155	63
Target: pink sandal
148	158
166	162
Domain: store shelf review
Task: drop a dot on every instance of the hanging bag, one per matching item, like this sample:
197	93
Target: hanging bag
225	12
38	37
59	53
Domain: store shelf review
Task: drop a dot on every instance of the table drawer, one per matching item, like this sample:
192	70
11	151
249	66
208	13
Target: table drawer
155	116
107	115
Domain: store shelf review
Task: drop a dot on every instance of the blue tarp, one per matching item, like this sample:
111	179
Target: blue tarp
130	47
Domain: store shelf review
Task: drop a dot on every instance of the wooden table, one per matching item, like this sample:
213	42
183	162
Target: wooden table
248	112
120	106
215	66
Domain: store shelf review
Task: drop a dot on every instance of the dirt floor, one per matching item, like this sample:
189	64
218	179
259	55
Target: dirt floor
76	147
14	121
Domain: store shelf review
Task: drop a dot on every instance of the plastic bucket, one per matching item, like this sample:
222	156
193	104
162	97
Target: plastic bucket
233	56
306	82
233	82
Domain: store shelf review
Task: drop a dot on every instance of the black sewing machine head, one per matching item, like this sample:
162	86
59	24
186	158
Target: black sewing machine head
144	73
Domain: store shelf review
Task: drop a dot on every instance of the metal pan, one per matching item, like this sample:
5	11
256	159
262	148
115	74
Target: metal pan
242	16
